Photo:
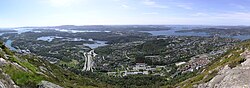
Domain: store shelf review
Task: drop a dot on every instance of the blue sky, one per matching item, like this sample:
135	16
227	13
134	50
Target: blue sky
16	13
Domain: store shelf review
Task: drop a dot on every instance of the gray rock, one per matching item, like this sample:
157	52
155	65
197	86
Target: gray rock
238	77
2	61
46	84
6	81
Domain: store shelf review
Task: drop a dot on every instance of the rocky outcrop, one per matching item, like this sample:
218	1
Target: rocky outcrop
6	81
238	77
2	61
46	84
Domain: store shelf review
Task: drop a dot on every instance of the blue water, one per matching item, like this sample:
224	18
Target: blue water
8	43
1	34
23	30
96	44
18	31
48	38
92	46
173	32
241	37
78	31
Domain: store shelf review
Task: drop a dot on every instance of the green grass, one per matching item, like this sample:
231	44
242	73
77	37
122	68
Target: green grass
235	62
21	77
6	50
63	77
24	63
210	76
1	76
1	54
72	63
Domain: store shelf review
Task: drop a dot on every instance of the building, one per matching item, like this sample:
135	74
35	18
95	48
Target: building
140	67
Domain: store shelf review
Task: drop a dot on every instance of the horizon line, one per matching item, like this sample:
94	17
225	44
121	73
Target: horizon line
127	25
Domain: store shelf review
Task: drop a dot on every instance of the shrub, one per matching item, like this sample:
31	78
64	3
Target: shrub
236	62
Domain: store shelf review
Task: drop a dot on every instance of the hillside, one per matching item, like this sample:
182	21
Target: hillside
229	71
29	71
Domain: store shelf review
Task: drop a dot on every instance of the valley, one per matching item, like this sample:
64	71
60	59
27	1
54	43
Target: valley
111	55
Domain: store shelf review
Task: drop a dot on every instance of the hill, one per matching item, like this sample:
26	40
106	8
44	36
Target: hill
30	71
229	71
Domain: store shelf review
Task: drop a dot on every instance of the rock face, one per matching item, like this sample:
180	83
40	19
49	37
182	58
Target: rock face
238	77
46	84
6	81
2	61
89	60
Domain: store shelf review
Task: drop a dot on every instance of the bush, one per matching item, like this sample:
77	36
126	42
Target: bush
236	62
210	76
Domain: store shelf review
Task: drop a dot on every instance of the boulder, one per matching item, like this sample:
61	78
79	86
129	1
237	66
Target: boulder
46	84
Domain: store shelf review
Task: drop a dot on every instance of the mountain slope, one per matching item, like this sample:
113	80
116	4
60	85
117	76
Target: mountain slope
237	77
29	71
229	71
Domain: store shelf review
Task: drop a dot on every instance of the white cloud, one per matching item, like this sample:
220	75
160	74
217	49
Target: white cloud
185	5
152	3
225	15
221	18
63	3
125	6
200	14
235	15
151	13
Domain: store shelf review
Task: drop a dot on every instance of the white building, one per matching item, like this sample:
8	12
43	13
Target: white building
140	66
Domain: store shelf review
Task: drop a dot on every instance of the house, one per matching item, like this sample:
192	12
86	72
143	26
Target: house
140	66
180	63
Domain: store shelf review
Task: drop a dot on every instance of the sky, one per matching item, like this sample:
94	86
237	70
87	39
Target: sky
20	13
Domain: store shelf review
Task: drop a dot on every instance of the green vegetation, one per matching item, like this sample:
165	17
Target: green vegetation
24	63
23	78
71	64
2	54
132	81
35	74
5	49
210	76
235	62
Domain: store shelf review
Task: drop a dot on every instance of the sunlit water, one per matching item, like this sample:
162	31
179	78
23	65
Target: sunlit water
8	44
96	44
48	38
